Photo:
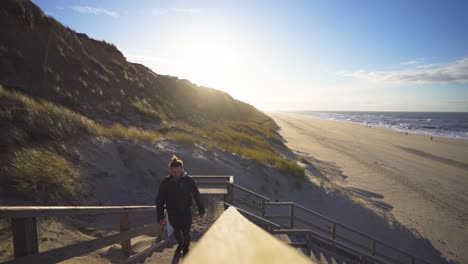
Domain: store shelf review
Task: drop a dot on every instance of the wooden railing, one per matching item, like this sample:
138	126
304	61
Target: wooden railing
25	240
234	239
24	228
316	228
320	227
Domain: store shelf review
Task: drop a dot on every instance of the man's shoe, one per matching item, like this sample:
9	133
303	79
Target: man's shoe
185	252
178	252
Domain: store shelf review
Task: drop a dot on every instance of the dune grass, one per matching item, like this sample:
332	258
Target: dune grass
37	172
30	119
183	138
25	120
147	111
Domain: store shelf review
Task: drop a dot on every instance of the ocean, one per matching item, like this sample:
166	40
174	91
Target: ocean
441	124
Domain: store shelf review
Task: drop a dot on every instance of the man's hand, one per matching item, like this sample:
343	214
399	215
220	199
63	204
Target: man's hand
162	223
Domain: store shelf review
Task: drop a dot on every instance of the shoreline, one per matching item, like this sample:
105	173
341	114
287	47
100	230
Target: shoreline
409	131
422	183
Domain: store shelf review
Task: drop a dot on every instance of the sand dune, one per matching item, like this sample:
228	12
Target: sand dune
423	183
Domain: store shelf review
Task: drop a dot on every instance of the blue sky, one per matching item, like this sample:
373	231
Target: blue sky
294	55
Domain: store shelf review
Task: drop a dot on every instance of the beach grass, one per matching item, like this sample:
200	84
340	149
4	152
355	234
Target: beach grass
26	121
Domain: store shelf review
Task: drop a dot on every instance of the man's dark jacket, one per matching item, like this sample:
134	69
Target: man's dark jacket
176	193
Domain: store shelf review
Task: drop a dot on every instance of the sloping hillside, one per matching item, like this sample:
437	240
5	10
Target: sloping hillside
58	86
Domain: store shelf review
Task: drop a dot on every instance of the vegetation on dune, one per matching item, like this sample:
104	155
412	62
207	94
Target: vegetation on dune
36	172
25	123
88	88
25	120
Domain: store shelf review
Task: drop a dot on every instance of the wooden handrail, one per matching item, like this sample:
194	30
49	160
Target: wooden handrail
247	243
24	231
25	234
67	252
40	211
279	203
25	218
249	191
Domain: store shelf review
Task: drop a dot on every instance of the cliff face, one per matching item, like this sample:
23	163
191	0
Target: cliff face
47	60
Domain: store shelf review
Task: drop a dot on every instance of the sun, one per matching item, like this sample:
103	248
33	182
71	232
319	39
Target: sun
211	58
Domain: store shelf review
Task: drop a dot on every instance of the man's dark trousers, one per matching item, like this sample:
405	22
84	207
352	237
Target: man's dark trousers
181	221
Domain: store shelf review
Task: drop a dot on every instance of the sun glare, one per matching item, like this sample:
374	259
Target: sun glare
211	59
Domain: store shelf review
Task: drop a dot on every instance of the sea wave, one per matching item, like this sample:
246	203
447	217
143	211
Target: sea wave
441	124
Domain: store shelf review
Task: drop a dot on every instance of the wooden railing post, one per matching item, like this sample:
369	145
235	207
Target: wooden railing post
291	219
231	194
228	196
333	230
124	226
263	208
24	236
309	242
372	247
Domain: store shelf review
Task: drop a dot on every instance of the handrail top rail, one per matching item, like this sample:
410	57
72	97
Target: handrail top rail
280	203
249	191
211	176
229	178
37	211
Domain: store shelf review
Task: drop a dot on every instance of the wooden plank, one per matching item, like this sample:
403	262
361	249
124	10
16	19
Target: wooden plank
67	252
24	236
247	244
213	190
39	211
290	231
279	203
213	182
196	177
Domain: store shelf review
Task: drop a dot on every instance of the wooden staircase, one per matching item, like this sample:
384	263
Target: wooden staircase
319	237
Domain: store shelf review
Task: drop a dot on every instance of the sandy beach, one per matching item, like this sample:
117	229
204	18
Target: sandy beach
423	183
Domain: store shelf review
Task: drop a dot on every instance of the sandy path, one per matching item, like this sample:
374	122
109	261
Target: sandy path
424	183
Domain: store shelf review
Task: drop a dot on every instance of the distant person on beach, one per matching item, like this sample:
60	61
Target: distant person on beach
175	195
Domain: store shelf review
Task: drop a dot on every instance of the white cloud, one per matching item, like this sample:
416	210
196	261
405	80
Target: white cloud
456	71
427	66
411	62
173	10
95	11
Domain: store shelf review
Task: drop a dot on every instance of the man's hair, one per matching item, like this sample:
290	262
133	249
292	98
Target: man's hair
175	162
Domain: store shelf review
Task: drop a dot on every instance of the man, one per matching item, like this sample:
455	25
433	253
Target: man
175	194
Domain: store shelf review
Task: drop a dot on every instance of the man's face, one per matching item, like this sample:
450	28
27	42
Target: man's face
176	171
